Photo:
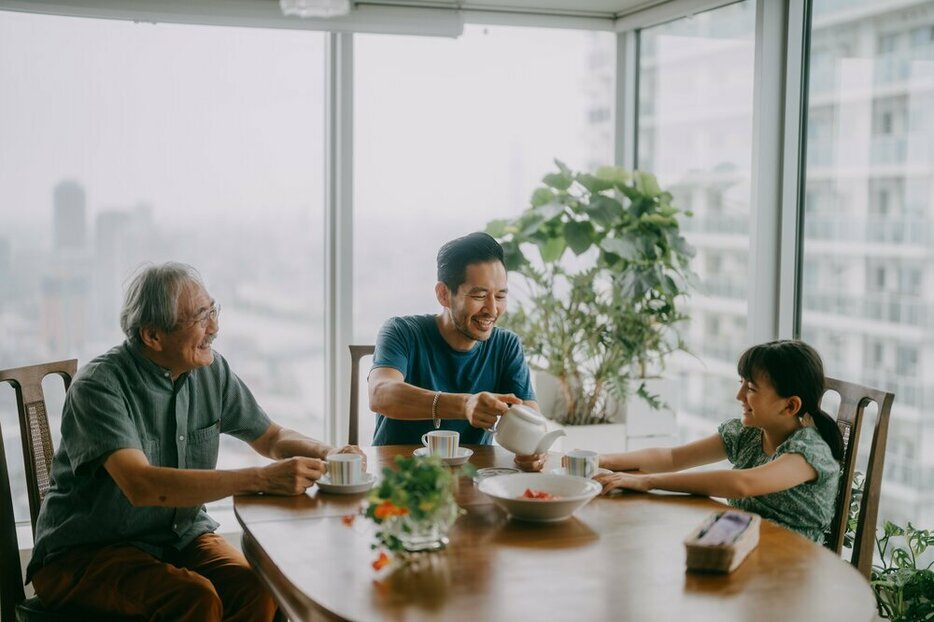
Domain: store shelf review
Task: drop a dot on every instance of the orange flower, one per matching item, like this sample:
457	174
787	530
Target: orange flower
348	519
388	509
380	562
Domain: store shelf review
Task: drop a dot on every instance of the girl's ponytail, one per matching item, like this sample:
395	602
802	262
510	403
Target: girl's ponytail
829	431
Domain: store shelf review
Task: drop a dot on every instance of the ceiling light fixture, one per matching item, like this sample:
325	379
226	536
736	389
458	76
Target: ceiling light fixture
315	8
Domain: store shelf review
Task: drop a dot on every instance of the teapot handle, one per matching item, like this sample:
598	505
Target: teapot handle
493	429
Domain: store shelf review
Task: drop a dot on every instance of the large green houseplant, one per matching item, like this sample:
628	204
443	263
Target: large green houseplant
605	269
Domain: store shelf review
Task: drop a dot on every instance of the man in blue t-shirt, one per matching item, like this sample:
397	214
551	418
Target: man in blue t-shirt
455	370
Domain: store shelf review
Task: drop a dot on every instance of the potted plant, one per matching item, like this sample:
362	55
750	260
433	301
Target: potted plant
605	270
903	584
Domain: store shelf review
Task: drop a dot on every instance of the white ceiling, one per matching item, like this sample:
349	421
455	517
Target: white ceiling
420	17
588	8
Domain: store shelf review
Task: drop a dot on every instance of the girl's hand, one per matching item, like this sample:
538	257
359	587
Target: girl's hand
629	481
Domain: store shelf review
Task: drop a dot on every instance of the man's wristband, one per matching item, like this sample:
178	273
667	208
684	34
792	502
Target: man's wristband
434	410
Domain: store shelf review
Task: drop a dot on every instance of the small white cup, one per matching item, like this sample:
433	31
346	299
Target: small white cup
345	469
581	462
442	442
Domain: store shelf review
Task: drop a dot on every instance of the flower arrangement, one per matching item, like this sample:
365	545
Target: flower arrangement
413	507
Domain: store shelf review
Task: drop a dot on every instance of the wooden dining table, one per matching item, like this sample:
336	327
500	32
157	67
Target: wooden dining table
620	557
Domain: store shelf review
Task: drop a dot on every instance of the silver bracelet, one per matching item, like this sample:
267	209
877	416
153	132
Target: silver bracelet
434	410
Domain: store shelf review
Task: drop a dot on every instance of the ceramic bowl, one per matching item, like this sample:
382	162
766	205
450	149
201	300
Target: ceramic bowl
571	494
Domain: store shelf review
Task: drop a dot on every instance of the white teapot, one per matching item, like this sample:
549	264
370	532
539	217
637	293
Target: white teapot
523	431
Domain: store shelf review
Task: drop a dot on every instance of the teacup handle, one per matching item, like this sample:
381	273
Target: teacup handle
425	439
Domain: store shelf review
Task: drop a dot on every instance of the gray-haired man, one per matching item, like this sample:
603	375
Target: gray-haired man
123	529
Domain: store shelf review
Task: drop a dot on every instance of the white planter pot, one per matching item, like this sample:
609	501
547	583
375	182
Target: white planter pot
639	426
600	437
652	428
551	401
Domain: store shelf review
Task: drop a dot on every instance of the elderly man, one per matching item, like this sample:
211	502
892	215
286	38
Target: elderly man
123	529
456	370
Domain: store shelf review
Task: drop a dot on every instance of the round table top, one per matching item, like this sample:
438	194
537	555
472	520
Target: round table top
619	557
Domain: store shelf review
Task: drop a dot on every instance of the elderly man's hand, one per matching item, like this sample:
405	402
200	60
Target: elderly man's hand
291	476
348	449
533	463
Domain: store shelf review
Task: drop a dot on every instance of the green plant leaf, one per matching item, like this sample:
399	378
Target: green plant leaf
647	184
548	210
541	196
605	211
513	257
594	184
551	249
497	228
579	236
680	246
558	181
614	174
624	248
530	222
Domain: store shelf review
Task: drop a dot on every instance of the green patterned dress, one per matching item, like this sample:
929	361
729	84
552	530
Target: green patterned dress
807	508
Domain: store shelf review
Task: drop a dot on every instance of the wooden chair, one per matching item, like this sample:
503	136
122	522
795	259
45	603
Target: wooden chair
356	353
854	399
37	459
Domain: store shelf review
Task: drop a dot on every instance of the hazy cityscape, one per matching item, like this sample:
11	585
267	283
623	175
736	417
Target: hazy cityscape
190	165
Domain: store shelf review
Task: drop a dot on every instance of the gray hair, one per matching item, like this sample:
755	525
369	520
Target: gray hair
152	297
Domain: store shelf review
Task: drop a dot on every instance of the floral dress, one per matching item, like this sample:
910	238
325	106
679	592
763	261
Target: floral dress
806	508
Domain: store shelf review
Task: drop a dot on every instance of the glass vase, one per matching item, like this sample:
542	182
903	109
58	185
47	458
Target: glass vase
425	533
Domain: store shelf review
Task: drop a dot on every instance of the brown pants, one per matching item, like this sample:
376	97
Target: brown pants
207	580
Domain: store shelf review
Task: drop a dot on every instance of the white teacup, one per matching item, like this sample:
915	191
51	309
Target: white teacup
345	469
581	462
442	443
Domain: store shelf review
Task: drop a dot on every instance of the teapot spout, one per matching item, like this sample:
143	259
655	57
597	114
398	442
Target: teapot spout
547	440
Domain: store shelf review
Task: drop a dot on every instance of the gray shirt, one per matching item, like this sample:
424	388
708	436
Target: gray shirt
123	400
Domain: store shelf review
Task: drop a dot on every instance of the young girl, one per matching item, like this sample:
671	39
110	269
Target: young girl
785	449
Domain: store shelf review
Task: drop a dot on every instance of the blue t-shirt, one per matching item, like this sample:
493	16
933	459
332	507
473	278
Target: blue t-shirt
414	346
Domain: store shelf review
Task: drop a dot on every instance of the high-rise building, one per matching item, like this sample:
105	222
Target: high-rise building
65	281
867	300
869	223
68	218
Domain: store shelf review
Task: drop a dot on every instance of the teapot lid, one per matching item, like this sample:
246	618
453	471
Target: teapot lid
526	413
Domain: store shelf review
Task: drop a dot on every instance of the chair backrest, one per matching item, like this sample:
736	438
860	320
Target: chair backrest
37	458
854	399
356	353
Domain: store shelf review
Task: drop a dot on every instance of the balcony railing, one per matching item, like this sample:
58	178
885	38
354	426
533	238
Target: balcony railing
893	308
908	391
724	287
891	230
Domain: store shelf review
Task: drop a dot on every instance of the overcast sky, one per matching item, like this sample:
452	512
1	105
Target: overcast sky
203	122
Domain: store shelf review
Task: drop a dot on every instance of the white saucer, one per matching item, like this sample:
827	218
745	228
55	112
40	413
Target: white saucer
563	471
463	455
346	489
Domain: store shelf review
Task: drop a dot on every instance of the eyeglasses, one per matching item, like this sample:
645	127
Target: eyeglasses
208	315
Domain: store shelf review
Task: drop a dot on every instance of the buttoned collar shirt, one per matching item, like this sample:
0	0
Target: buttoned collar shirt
123	400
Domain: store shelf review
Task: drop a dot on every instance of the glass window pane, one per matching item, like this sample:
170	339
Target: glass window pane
154	142
695	134
868	224
452	133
